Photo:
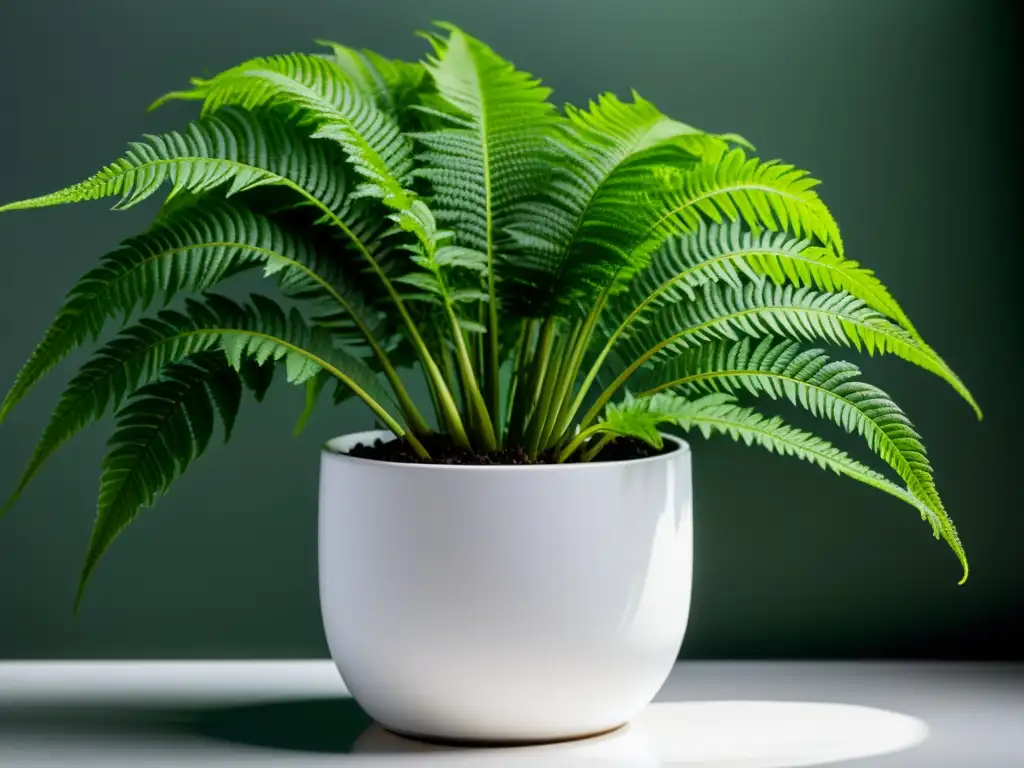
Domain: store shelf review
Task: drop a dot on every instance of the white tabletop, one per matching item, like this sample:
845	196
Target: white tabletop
713	714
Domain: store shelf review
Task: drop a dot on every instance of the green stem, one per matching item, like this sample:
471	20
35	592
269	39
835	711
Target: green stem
511	396
568	414
409	410
449	410
590	453
539	369
606	350
519	412
539	420
563	384
415	420
569	406
612	388
447	369
577	441
493	375
475	400
376	407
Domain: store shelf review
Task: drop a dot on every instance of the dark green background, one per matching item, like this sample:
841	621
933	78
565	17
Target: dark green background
903	108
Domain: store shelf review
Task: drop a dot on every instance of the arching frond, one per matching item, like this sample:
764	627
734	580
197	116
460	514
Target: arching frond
830	389
765	195
233	149
730	254
376	148
188	250
165	427
260	330
588	227
727	313
718	413
776	436
324	97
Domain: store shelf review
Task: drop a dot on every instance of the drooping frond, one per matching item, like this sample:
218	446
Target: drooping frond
588	227
165	426
324	97
260	330
190	249
773	434
233	149
765	195
728	313
239	151
827	388
380	153
641	416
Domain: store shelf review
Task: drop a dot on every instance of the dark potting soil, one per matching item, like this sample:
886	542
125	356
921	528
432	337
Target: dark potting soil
443	451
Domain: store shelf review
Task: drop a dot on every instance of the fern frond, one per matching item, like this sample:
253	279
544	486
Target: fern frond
391	83
718	413
827	388
379	152
260	330
375	146
730	254
492	154
766	195
188	250
235	149
774	435
588	227
164	428
322	96
728	313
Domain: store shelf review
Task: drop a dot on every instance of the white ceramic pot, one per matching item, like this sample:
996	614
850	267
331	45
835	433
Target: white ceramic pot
504	603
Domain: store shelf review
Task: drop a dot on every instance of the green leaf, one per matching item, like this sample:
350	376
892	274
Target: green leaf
493	150
233	149
325	98
589	227
711	416
764	195
729	254
827	388
314	387
728	313
191	249
639	418
391	83
260	332
163	428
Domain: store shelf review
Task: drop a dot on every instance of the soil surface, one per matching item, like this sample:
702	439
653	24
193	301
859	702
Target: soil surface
443	451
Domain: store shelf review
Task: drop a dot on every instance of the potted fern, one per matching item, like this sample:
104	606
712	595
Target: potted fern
512	562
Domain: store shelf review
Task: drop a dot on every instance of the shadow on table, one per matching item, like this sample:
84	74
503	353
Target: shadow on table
305	725
324	725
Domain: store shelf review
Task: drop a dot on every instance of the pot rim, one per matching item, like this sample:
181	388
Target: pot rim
329	450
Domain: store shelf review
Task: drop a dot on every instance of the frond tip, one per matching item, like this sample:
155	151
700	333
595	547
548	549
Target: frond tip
641	417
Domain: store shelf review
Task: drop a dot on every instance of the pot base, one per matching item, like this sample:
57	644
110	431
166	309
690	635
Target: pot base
442	741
